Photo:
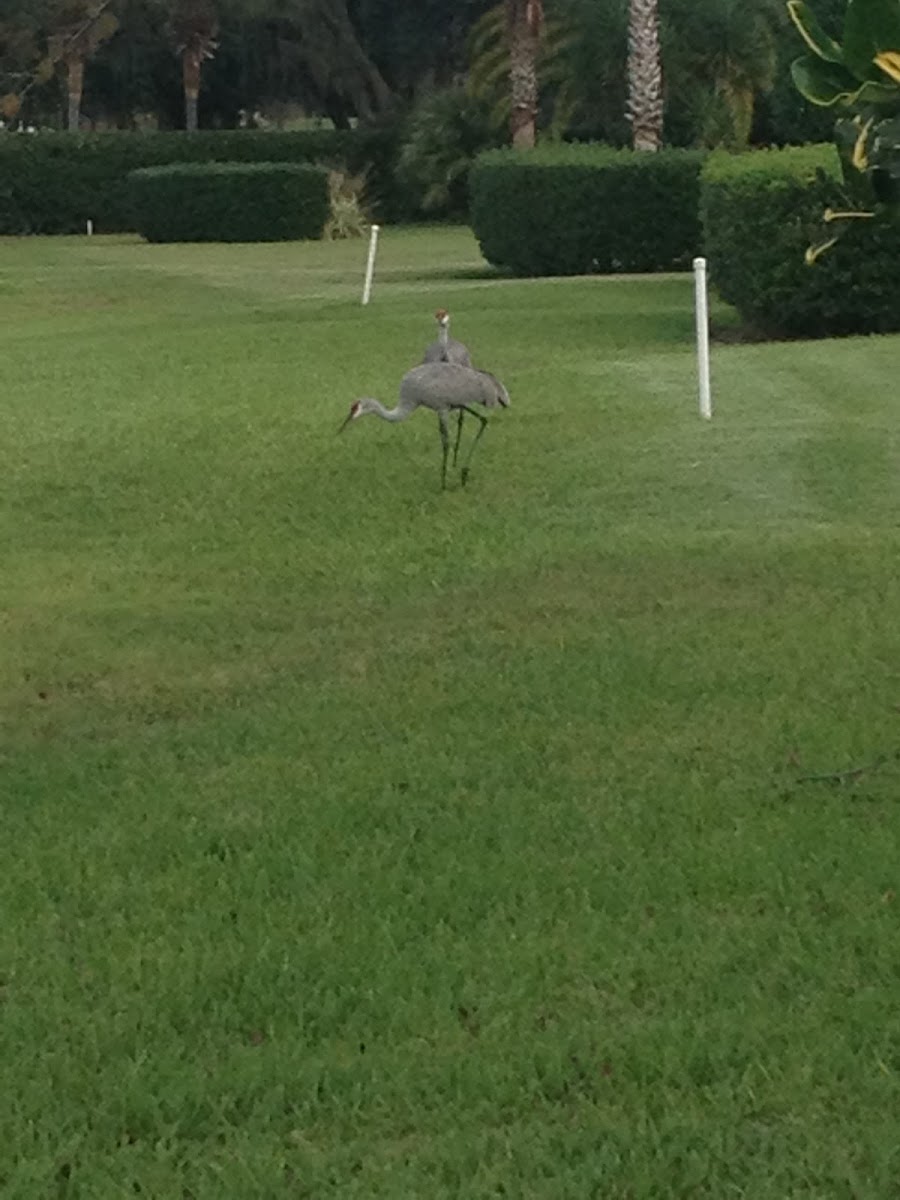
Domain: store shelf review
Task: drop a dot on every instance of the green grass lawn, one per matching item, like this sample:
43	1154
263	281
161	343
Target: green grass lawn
364	841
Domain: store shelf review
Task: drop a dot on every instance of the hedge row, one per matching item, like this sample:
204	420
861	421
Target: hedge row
760	211
230	202
55	182
571	210
579	209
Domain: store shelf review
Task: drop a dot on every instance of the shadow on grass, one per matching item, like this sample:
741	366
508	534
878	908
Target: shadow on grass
451	274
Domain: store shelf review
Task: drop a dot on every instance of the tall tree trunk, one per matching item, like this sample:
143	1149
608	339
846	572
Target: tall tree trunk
190	70
645	90
524	19
75	73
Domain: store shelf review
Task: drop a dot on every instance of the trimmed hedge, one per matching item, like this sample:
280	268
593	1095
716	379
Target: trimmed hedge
230	202
760	212
574	209
54	182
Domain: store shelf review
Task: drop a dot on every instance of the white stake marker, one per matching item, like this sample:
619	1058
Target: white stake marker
90	227
702	308
370	265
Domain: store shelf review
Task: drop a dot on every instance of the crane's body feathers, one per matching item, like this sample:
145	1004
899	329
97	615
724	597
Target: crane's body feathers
444	388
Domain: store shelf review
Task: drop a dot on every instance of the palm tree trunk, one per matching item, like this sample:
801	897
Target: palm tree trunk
645	90
524	22
75	73
190	70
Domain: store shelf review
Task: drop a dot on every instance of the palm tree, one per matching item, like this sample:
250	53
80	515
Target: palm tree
645	86
727	52
524	21
193	27
79	28
489	69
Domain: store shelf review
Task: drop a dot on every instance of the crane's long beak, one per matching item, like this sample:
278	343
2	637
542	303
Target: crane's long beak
354	412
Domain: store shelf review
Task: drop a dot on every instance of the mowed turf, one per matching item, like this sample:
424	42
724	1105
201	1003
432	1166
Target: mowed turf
364	841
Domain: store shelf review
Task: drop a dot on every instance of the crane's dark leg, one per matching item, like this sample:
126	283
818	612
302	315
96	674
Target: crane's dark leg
445	445
458	437
464	474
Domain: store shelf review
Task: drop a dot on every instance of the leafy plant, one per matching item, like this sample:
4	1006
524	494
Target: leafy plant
861	73
445	133
347	216
759	211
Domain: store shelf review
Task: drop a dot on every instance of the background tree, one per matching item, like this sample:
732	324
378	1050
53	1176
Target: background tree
524	22
417	45
645	82
721	57
79	28
377	60
489	72
595	56
193	28
18	54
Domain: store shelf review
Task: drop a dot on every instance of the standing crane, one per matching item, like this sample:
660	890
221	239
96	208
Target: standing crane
446	348
449	350
444	388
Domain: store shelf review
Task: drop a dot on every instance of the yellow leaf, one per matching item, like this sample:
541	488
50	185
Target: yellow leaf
860	158
830	215
889	61
814	252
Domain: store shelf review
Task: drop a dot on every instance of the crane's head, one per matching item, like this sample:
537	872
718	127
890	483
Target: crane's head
497	395
442	317
358	408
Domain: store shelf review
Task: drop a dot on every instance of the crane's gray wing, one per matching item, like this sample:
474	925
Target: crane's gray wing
441	385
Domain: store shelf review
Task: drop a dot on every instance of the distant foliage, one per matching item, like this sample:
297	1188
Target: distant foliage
230	202
445	132
52	183
760	211
720	59
569	210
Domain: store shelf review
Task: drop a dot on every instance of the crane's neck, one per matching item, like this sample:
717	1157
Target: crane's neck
388	414
444	334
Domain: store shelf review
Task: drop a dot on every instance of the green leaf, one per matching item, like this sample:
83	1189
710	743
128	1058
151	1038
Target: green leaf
824	83
875	92
884	23
813	33
859	43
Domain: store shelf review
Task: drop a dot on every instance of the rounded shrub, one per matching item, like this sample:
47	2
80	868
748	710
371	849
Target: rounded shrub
761	211
575	209
230	202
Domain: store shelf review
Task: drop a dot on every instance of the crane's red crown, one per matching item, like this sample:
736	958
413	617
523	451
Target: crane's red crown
442	315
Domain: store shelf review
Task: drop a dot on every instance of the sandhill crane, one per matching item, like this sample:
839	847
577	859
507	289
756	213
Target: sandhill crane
446	348
444	388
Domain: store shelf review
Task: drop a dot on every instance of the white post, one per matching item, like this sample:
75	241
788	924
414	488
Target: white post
90	227
702	308
370	265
